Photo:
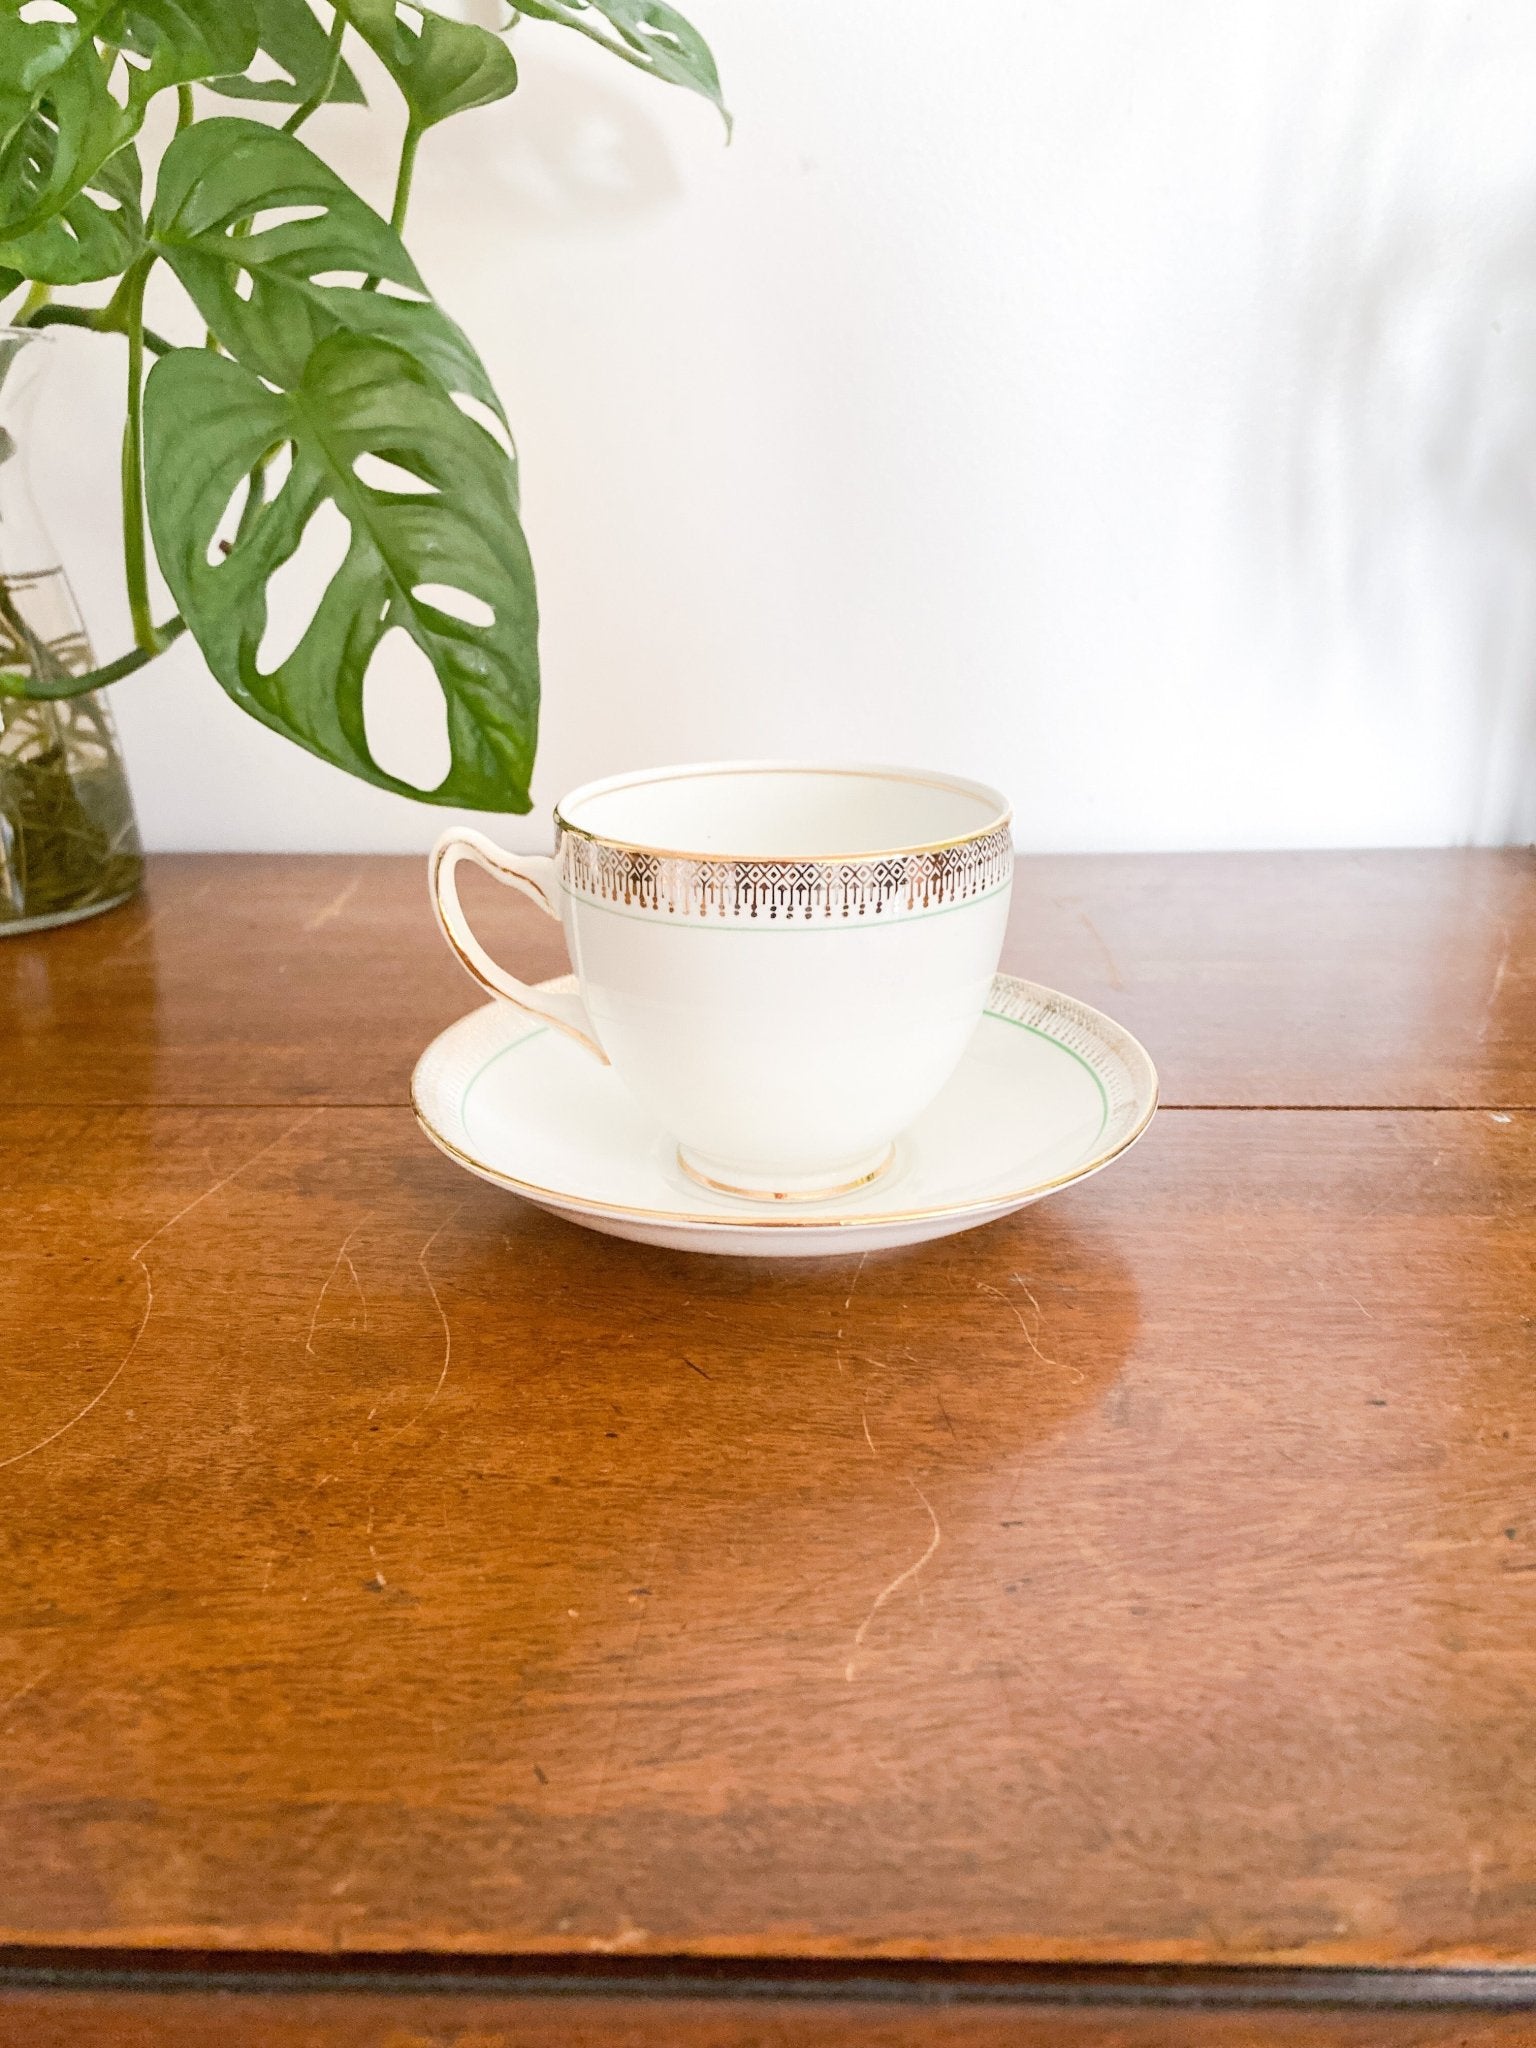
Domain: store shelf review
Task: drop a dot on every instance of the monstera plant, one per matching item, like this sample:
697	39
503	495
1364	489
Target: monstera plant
323	370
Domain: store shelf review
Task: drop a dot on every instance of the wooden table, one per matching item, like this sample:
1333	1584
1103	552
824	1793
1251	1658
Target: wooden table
423	1622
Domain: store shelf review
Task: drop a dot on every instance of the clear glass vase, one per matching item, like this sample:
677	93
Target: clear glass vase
69	843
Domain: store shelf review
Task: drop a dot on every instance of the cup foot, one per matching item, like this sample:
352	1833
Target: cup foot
724	1180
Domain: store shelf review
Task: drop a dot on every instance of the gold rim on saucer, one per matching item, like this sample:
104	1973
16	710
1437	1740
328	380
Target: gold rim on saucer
772	1195
1013	1001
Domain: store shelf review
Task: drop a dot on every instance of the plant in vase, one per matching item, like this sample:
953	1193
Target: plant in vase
329	376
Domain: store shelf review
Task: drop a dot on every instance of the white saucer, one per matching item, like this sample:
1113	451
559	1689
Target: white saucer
1048	1093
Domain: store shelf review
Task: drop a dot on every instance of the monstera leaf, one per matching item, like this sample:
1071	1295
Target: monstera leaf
61	124
181	41
336	392
59	120
645	33
290	35
442	68
32	55
269	295
209	422
96	234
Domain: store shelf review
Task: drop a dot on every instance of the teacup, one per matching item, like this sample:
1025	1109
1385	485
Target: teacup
783	964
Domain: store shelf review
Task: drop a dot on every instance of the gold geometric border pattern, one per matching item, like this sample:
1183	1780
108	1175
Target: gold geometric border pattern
892	885
1109	1054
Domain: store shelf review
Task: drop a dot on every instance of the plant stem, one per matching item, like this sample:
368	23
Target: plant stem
92	317
403	177
305	108
407	171
186	108
125	664
37	297
61	684
135	548
255	497
45	664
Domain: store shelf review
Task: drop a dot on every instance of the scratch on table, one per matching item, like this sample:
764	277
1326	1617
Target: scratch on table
378	1573
136	938
137	1258
1033	1335
197	1201
631	1657
1493	994
881	1365
101	1392
902	1577
945	1413
847	1304
897	1583
336	1265
152	920
437	1303
362	1297
858	1274
1109	958
329	912
985	1287
612	1945
21	1691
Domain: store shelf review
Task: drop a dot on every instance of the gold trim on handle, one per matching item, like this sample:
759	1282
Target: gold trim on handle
463	842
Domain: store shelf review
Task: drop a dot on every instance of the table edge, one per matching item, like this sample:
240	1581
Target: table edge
856	1980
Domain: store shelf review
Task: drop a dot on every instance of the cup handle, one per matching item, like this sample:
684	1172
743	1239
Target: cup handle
531	874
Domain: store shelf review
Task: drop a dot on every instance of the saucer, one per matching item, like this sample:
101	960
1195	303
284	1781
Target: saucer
1048	1092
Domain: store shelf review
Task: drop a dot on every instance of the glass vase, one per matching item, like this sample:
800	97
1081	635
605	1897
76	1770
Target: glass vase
69	843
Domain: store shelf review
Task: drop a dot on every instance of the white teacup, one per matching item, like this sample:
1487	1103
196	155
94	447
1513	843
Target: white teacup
783	964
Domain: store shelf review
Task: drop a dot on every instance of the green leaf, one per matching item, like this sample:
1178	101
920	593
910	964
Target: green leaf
443	68
59	121
55	146
181	41
291	36
218	178
32	54
209	421
96	234
645	33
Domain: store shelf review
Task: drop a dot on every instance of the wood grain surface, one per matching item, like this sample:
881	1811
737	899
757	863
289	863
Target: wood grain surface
388	1570
1391	980
1149	1576
134	2019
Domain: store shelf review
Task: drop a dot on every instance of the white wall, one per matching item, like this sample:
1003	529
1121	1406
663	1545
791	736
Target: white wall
1130	401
